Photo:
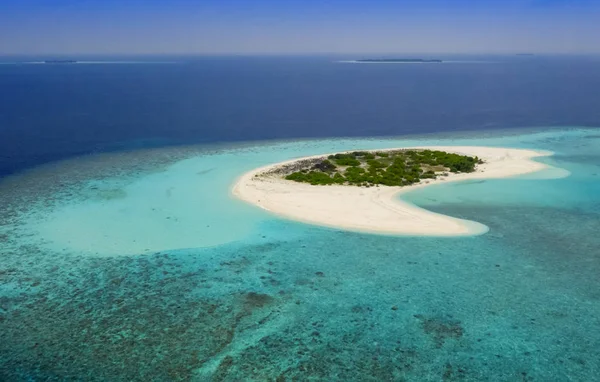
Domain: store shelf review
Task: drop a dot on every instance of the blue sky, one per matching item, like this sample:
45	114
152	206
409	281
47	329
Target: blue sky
295	26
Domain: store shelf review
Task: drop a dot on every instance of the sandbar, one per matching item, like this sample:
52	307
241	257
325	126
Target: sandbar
379	209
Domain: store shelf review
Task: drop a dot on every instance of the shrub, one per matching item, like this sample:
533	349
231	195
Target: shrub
325	166
347	162
391	169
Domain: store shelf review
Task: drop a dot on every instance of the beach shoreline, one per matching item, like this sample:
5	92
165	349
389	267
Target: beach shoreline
380	209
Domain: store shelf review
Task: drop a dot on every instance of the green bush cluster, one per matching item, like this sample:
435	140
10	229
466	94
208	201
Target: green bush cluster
454	162
345	159
386	168
316	178
325	166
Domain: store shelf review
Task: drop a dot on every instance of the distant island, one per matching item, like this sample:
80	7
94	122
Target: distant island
407	60
60	62
387	168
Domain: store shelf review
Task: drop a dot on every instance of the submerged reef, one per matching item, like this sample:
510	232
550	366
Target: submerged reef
441	330
180	317
105	326
302	303
278	311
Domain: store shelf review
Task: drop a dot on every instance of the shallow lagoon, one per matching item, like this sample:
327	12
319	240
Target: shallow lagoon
141	266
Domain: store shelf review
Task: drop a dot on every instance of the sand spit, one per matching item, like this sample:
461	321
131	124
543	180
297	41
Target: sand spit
377	209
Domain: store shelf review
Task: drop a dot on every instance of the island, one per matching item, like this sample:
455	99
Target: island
60	62
399	60
360	190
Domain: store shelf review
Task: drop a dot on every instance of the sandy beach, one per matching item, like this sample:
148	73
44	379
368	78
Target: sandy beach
378	209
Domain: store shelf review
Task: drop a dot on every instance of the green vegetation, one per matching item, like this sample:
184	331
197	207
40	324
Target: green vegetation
392	168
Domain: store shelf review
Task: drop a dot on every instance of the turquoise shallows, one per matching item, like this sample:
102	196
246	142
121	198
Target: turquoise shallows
141	266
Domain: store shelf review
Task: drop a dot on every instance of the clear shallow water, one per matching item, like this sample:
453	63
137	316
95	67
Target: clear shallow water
255	297
184	205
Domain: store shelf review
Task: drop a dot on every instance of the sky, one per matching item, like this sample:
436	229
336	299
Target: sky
298	26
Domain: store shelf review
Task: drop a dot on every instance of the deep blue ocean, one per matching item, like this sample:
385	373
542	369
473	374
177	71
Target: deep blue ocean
50	112
123	256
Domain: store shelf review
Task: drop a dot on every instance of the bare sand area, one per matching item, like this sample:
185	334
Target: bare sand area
378	209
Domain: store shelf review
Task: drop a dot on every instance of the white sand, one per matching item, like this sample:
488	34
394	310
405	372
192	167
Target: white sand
377	209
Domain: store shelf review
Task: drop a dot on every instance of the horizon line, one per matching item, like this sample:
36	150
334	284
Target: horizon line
283	54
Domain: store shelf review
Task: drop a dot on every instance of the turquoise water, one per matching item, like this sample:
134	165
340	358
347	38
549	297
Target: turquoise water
141	266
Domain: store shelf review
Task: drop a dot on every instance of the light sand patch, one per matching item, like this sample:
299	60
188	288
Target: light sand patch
377	209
